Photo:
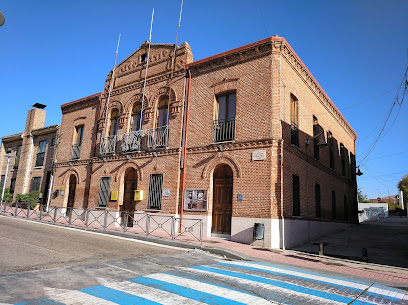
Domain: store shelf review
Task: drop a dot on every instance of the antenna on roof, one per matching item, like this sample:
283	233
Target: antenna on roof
147	66
39	106
174	61
175	45
110	88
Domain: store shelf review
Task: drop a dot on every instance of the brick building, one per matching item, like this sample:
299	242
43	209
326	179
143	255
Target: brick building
34	152
246	136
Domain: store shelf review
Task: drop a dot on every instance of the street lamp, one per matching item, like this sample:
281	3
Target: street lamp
359	172
9	156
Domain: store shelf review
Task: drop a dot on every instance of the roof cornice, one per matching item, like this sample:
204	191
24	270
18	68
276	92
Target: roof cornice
80	103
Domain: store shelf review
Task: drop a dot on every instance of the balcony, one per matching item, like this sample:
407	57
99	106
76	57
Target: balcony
224	130
131	141
108	146
135	141
75	151
158	137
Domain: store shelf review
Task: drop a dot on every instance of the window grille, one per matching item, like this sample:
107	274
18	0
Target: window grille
155	191
104	188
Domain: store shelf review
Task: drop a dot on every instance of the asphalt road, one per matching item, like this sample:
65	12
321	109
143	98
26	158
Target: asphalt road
45	264
27	245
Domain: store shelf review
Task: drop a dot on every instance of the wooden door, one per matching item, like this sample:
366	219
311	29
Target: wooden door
71	194
222	200
128	196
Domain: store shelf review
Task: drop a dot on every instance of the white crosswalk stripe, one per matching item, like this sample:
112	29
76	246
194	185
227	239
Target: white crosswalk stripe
302	274
231	282
257	285
149	293
211	289
73	297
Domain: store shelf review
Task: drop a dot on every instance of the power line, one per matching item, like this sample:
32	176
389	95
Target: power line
387	116
398	153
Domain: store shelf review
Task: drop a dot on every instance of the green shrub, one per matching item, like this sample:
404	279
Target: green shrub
32	198
7	196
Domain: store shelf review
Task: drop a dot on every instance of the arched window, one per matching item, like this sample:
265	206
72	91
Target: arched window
114	122
135	118
162	111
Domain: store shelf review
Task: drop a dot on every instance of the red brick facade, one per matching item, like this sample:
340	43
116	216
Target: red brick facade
239	143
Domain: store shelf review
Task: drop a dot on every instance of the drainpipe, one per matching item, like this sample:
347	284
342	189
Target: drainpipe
54	160
28	168
183	161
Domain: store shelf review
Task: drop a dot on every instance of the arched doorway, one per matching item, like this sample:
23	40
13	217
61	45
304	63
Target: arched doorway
71	193
222	200
128	196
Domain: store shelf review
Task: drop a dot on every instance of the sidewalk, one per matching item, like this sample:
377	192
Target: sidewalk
381	274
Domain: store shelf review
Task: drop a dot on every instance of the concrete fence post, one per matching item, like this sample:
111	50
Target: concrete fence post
70	216
105	220
147	224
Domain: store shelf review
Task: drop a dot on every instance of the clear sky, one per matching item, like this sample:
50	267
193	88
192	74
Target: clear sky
54	52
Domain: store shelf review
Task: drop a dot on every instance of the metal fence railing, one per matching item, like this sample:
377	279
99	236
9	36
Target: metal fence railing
163	226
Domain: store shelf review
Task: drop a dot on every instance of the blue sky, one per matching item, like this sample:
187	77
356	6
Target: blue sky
54	52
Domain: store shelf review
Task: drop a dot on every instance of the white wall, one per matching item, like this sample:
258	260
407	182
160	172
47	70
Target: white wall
372	211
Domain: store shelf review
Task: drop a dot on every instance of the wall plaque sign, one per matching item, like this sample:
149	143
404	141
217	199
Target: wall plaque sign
258	155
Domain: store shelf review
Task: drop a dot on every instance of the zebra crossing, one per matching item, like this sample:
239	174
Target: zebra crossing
229	282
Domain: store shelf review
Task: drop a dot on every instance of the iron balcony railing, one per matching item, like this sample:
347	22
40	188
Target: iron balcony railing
75	151
132	141
135	141
40	159
158	137
224	130
108	145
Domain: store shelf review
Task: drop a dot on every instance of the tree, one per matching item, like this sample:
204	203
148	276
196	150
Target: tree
361	196
403	186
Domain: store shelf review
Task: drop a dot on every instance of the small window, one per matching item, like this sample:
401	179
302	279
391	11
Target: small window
53	142
317	200
162	111
76	147
114	122
296	195
17	160
343	159
2	181
334	214
294	120
12	185
224	123
331	149
143	58
136	117
35	184
8	151
316	152
41	153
